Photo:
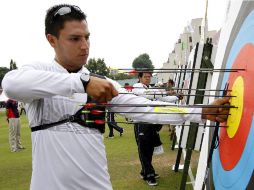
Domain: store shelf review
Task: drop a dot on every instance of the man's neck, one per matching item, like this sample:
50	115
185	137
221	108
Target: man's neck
147	86
74	71
69	70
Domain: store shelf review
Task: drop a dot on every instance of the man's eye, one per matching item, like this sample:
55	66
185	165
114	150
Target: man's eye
74	39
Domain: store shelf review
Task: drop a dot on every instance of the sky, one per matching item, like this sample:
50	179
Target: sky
120	30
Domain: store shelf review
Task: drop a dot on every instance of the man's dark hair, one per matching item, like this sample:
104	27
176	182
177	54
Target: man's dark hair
171	81
140	74
54	22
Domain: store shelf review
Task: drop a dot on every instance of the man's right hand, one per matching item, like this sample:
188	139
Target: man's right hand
171	93
217	114
101	90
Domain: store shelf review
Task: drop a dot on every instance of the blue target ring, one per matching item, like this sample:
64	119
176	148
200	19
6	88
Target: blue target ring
237	178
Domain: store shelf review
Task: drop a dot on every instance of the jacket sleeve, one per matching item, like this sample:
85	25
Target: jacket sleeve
32	82
159	115
168	98
153	94
139	90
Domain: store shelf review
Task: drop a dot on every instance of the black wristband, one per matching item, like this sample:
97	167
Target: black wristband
85	79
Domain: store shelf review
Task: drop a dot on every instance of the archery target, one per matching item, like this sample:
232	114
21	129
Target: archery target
233	161
235	114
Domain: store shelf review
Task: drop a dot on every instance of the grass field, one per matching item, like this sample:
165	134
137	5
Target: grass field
124	165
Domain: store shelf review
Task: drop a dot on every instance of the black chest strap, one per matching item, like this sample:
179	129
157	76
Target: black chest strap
46	126
81	116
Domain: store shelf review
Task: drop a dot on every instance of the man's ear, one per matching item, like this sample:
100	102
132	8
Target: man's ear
52	40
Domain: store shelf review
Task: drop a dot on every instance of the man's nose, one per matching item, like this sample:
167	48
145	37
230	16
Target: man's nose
85	44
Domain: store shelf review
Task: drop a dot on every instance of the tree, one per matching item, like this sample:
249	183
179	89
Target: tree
142	61
121	76
98	67
13	65
3	71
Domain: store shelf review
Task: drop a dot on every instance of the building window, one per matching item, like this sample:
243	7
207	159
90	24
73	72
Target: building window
199	28
190	48
190	39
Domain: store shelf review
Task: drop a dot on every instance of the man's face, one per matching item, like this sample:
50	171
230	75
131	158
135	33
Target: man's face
146	78
170	85
72	45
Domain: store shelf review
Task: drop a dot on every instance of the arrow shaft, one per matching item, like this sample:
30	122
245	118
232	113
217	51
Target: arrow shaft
167	113
200	95
196	71
165	105
133	122
178	89
125	122
150	70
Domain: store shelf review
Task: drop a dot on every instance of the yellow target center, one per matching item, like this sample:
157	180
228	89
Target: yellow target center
235	113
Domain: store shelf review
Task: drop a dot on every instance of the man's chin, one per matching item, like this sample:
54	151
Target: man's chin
81	62
77	66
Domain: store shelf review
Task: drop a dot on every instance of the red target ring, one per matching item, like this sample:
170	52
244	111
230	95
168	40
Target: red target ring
229	154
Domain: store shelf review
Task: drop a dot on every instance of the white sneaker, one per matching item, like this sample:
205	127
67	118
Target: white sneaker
151	181
158	150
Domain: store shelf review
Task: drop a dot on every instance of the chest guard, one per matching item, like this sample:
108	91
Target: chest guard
93	117
84	116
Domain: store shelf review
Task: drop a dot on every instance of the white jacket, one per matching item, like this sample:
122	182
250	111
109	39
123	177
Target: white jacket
69	156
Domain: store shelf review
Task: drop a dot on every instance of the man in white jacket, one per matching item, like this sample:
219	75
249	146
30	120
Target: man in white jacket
147	135
68	155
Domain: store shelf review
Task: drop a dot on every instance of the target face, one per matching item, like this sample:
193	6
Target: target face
233	161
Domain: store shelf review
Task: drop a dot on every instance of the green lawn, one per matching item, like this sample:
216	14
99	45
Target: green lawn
124	165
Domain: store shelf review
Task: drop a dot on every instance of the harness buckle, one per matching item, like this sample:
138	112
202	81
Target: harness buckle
71	118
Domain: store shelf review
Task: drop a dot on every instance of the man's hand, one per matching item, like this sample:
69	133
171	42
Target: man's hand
180	95
217	114
100	89
171	93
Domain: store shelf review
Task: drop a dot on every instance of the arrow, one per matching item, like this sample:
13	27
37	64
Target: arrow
134	72
147	69
93	112
132	87
97	112
200	95
101	121
91	105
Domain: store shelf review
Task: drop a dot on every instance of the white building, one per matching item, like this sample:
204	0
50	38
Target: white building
187	40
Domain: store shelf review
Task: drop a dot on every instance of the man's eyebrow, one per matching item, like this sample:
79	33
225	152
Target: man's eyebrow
75	35
78	35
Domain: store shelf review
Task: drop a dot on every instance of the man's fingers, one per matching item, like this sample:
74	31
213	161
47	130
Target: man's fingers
114	92
104	96
221	114
109	96
101	90
222	101
221	119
